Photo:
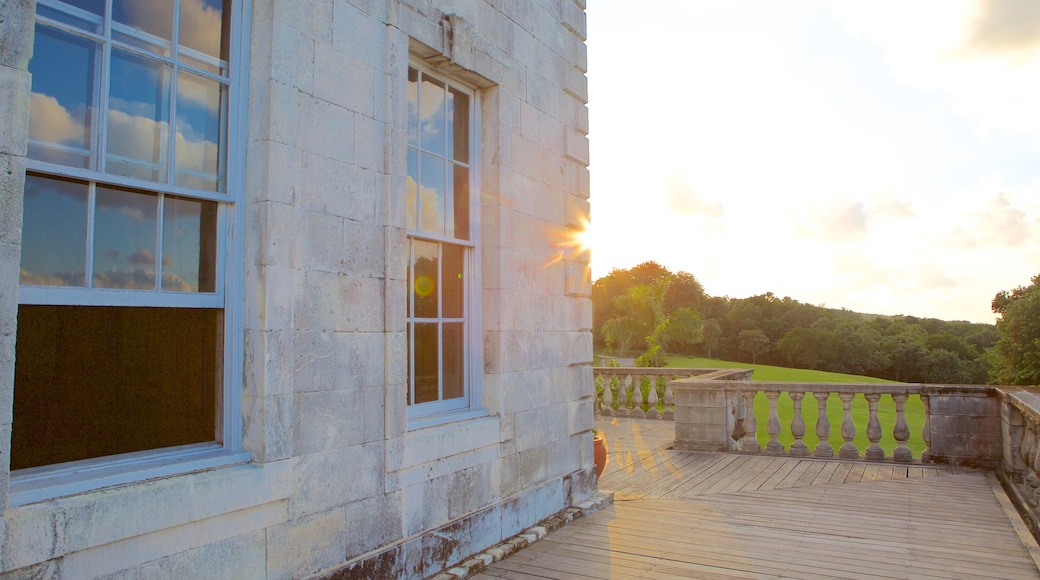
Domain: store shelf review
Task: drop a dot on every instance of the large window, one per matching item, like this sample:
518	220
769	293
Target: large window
443	323
128	203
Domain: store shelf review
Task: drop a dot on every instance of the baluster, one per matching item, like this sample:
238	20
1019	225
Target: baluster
669	402
901	433
823	427
798	448
1033	481
622	396
597	400
750	442
773	425
607	410
848	428
874	451
926	430
651	398
1028	450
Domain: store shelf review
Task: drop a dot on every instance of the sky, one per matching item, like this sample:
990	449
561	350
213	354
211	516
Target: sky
879	156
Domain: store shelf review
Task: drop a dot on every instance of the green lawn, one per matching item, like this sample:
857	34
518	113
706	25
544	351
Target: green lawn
785	406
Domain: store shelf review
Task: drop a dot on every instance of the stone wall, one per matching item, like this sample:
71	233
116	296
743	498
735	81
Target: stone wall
338	483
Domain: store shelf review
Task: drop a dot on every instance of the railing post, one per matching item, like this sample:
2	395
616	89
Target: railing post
926	430
773	425
901	433
823	427
798	448
1032	480
848	428
749	444
622	396
607	409
874	451
669	402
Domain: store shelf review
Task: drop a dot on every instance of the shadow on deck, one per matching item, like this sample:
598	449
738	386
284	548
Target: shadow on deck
716	515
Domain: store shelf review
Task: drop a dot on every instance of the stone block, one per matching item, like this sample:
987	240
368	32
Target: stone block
539	426
534	466
580	417
372	523
292	57
315	366
268	363
306	545
336	477
271	226
576	85
331	131
374	418
319	303
469	490
275	174
579	280
358	90
33	535
573	18
359	35
12	184
564	456
269	300
15	85
424	505
363	249
318	242
340	189
313	18
16	38
328	420
445	546
505	475
268	428
435	443
242	556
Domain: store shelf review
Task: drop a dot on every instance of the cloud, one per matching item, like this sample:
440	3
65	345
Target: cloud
138	137
1002	26
142	256
895	208
112	255
52	122
56	279
136	279
683	200
999	224
840	222
431	206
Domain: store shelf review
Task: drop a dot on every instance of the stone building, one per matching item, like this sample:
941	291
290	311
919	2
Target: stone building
289	289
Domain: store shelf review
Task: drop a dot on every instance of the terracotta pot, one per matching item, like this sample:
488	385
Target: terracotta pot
599	453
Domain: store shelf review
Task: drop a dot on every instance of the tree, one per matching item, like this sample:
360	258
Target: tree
643	315
754	342
711	334
1016	356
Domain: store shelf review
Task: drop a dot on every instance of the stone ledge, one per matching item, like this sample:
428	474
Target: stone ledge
479	562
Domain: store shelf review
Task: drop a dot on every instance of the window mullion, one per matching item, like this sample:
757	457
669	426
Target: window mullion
88	273
159	218
440	322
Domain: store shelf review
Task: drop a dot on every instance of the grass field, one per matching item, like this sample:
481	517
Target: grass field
810	413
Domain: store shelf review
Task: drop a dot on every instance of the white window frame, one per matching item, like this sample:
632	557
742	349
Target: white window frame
471	404
50	481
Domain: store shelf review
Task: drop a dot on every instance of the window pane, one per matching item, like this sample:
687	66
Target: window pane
54	232
85	14
124	239
200	132
204	26
63	70
452	286
458	124
431	194
411	198
432	116
461	202
146	23
413	107
426	356
98	381
189	245
138	117
424	279
454	361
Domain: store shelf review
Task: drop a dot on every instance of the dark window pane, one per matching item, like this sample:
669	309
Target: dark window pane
452	287
54	232
426	356
98	381
125	225
189	245
64	69
424	279
431	116
458	127
461	202
431	194
454	361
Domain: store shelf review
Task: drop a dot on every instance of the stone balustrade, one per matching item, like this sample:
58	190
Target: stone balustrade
646	393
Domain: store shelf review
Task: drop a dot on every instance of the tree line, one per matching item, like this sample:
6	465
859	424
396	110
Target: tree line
647	309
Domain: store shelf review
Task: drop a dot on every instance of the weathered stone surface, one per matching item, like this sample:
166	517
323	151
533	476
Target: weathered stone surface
306	545
242	557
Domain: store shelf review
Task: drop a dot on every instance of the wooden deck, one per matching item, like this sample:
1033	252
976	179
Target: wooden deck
715	515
